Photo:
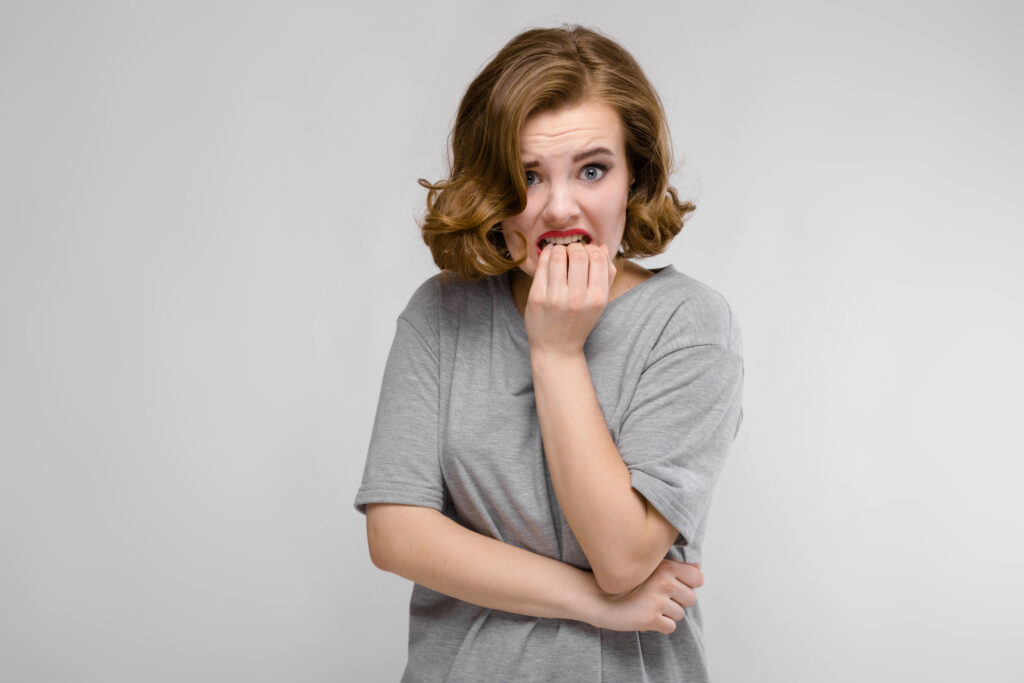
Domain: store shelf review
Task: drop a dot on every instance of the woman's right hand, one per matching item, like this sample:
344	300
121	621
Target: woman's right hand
656	604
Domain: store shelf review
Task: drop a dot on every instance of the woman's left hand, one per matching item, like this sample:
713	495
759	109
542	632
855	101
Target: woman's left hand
569	292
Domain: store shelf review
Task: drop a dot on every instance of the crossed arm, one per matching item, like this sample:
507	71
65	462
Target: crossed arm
424	546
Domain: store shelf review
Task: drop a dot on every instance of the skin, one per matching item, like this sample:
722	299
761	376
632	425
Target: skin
561	292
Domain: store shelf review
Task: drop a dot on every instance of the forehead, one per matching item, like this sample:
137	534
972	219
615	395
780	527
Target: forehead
572	129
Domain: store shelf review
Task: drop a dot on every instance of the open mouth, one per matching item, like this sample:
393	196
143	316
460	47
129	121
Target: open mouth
563	238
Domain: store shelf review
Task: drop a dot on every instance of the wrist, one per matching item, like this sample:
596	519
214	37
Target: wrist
590	603
544	358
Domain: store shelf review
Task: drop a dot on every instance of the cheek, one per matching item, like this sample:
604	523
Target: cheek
611	214
513	229
515	226
512	232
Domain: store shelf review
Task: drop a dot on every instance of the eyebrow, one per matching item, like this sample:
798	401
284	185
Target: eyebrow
578	158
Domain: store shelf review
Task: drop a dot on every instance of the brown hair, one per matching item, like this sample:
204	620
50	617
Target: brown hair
538	70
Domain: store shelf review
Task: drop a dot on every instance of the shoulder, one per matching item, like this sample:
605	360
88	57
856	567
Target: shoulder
439	295
692	313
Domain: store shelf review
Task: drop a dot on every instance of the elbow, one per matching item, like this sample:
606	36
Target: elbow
617	579
377	541
395	535
378	556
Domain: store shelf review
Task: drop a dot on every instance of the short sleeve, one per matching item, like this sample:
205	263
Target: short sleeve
684	416
402	463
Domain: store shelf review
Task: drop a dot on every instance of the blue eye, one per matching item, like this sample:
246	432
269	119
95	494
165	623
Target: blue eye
593	172
531	178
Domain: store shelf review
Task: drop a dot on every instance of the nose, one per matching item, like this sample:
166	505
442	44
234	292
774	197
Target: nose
560	209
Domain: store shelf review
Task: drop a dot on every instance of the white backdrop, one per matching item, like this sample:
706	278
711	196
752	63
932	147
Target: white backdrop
207	214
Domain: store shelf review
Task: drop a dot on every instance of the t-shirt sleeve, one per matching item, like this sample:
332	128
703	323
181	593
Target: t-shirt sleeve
402	463
685	413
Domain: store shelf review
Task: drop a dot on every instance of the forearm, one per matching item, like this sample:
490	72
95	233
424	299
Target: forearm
622	536
430	549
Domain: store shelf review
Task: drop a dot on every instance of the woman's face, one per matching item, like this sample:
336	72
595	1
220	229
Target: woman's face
577	179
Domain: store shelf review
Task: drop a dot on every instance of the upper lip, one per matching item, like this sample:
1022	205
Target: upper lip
563	233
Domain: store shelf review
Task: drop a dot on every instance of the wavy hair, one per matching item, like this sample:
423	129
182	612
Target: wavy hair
541	70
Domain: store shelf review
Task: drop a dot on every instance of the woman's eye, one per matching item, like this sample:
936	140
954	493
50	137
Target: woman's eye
531	178
594	172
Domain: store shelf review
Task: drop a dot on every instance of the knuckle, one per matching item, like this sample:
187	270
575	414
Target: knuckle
695	577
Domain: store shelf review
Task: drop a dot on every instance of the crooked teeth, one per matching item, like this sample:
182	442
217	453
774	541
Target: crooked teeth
562	240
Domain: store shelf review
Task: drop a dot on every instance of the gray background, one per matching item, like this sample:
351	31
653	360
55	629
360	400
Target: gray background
207	216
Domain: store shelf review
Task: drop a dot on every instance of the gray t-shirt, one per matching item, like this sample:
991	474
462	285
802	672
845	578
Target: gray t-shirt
457	430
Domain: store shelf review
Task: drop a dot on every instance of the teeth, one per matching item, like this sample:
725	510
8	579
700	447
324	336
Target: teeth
563	240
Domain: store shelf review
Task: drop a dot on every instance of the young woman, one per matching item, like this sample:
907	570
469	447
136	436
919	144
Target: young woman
553	416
